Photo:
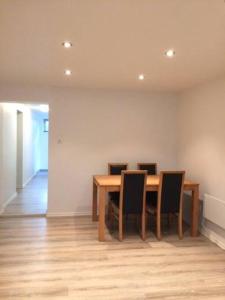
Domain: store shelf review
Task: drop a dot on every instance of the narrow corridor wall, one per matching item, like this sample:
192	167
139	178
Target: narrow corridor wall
8	154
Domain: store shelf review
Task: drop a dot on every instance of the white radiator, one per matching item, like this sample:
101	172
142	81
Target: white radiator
214	210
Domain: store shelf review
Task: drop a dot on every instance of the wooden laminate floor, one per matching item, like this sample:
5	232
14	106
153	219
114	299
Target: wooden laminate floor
60	258
32	200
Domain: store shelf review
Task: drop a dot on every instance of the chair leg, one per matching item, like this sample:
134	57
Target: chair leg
143	226
180	226
158	225
120	227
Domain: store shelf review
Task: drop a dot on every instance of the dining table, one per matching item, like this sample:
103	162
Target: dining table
103	184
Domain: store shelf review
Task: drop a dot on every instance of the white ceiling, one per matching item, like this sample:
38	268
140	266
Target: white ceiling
113	41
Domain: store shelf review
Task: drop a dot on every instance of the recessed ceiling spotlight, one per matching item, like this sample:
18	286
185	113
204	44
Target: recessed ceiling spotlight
67	44
141	76
67	72
170	53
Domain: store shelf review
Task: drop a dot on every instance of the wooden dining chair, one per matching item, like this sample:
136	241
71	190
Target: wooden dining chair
116	168
132	199
170	199
151	168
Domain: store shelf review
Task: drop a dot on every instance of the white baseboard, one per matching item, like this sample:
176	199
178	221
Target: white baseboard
7	202
29	179
213	237
67	214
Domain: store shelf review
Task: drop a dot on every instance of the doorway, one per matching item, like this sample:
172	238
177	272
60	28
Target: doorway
29	128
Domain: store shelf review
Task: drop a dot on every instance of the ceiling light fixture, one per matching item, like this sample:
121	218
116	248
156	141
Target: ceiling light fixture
141	77
67	72
67	44
170	53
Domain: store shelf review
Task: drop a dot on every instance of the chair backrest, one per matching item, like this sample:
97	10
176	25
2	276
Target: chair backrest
132	192
170	192
151	168
116	168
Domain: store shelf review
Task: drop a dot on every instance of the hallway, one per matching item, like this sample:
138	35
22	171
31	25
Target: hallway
32	200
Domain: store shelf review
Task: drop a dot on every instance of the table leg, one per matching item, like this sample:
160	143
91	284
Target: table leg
101	224
195	212
94	203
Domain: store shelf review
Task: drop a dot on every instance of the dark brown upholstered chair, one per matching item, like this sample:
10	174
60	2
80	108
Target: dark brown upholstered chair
151	168
170	199
131	200
116	169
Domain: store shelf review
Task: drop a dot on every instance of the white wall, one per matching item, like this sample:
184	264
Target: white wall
40	139
8	154
97	127
1	159
89	129
43	144
19	156
44	151
201	151
29	166
36	130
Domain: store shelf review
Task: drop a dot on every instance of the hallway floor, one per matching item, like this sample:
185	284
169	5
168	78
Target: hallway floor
32	200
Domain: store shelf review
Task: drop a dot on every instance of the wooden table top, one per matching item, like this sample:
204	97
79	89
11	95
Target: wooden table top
115	180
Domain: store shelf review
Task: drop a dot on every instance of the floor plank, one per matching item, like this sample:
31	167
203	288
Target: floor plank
31	200
60	258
